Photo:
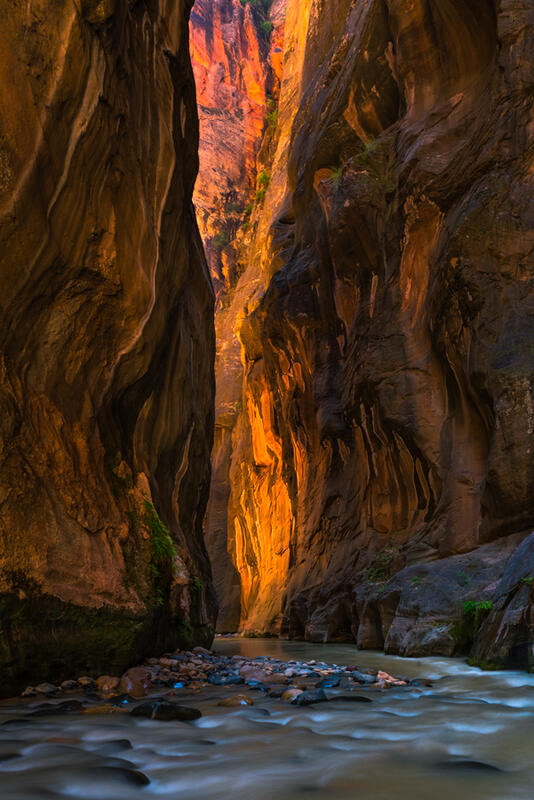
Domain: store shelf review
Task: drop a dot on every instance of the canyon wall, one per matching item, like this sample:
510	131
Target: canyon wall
106	340
236	50
382	466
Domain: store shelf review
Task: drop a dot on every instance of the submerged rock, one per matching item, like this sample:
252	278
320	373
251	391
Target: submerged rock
236	700
306	698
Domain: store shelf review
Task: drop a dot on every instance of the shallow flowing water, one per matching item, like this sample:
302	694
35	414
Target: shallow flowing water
469	735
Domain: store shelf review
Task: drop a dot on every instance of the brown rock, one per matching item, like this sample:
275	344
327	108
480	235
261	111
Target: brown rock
70	686
291	694
106	684
135	682
236	700
106	336
278	677
46	688
254	674
172	663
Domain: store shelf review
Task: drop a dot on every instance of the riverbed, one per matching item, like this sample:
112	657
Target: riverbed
469	734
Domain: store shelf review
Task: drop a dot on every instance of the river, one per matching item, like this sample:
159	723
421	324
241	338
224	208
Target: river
468	736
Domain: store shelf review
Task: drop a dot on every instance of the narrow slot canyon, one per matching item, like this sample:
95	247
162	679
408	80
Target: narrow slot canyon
266	399
372	420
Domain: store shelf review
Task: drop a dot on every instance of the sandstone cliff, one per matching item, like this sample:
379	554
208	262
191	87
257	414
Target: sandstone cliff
106	340
382	463
236	50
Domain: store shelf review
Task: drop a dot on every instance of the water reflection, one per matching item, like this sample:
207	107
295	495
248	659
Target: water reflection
468	735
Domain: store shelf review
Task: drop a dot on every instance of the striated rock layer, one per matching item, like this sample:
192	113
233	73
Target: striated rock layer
106	340
382	464
236	50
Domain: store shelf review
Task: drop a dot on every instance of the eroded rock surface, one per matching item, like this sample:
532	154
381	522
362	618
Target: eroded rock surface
106	340
236	51
387	427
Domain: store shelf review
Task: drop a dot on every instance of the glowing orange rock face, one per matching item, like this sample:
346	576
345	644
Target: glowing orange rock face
231	55
381	465
237	64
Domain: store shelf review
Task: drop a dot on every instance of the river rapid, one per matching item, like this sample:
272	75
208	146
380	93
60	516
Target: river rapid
469	735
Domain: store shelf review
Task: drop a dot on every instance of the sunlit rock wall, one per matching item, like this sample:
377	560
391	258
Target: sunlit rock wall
106	340
237	54
382	463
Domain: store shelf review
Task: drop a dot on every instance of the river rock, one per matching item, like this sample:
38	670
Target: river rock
107	684
328	683
386	680
236	700
290	694
362	677
254	674
47	688
307	698
70	686
135	682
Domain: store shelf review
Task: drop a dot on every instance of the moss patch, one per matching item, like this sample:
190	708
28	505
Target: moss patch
42	638
464	631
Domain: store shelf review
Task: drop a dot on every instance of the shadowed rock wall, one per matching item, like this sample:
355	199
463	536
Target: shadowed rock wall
106	339
382	467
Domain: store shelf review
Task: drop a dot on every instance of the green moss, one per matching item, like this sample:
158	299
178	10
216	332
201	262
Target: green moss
42	638
528	581
380	569
335	177
162	555
221	240
463	579
474	608
160	538
485	665
465	629
196	584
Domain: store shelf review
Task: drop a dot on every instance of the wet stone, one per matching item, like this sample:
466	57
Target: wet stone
310	697
236	700
68	707
328	683
290	694
47	688
363	677
70	686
